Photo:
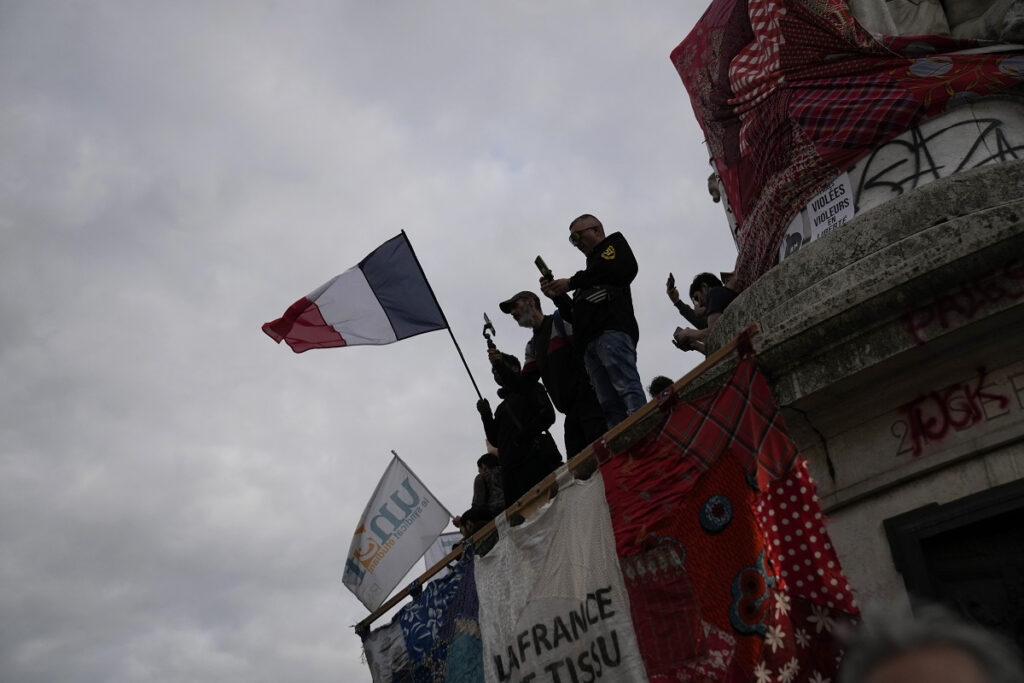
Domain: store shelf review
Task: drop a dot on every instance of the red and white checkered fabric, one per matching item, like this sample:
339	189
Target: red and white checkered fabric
790	93
756	69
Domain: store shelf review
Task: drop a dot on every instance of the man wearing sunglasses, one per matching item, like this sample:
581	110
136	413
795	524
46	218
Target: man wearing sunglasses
601	312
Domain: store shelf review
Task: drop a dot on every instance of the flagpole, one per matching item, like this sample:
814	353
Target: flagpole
443	317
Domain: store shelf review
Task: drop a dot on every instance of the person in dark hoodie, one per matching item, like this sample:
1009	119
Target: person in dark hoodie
601	312
518	428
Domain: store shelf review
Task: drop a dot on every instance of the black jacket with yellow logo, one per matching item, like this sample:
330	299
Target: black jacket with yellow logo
601	298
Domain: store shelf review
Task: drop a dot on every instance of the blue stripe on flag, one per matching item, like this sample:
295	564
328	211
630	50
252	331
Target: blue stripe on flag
401	288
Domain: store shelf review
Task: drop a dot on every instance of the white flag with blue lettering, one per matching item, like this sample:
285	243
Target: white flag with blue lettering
399	523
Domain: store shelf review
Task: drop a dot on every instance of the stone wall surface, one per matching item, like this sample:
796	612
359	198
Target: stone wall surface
860	538
902	252
853	292
895	347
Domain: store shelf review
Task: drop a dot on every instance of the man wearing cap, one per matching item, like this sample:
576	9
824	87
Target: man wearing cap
601	312
550	357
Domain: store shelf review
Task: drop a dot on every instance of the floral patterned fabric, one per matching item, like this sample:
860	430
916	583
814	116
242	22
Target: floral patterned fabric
791	92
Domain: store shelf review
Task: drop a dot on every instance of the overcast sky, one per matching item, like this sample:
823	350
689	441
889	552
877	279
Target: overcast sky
178	492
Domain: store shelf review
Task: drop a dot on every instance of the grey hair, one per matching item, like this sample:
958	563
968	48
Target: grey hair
884	636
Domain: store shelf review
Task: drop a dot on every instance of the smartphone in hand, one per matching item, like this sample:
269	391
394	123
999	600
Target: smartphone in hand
543	268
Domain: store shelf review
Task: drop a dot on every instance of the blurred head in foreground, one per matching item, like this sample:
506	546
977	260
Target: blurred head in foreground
936	647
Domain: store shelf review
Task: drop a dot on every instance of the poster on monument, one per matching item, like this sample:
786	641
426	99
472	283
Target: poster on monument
831	208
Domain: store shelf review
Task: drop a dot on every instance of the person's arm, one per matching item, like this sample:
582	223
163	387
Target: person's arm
556	291
696	319
690	314
718	299
564	304
490	428
689	339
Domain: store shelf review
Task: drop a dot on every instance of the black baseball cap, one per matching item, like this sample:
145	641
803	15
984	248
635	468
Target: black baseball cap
506	305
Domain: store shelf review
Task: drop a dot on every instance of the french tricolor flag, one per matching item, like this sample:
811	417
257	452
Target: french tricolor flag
383	299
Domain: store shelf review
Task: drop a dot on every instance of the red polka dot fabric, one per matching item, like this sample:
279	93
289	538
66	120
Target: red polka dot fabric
798	541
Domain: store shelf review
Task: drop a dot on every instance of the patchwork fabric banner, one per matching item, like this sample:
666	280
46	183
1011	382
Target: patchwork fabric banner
435	637
699	554
740	508
789	93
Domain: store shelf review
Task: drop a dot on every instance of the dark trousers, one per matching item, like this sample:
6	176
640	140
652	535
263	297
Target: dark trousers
523	476
584	424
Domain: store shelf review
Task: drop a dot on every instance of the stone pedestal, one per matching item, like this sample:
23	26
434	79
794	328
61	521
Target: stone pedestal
896	348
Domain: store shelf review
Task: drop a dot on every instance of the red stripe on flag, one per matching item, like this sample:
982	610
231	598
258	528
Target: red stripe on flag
304	328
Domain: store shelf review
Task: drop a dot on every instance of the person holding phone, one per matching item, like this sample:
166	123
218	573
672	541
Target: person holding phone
711	295
694	315
601	312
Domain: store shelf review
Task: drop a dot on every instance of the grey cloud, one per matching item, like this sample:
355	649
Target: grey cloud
178	493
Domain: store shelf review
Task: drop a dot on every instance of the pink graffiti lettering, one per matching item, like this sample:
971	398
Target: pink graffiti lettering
932	416
1002	284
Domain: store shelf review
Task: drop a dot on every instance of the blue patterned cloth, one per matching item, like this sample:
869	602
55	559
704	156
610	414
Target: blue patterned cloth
441	631
421	619
462	633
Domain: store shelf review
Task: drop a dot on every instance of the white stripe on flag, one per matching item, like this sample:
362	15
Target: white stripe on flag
349	306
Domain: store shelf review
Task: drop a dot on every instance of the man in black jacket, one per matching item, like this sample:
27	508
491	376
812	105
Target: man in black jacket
601	312
552	358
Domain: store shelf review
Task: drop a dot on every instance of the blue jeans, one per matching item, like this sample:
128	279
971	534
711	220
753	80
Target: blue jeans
611	363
